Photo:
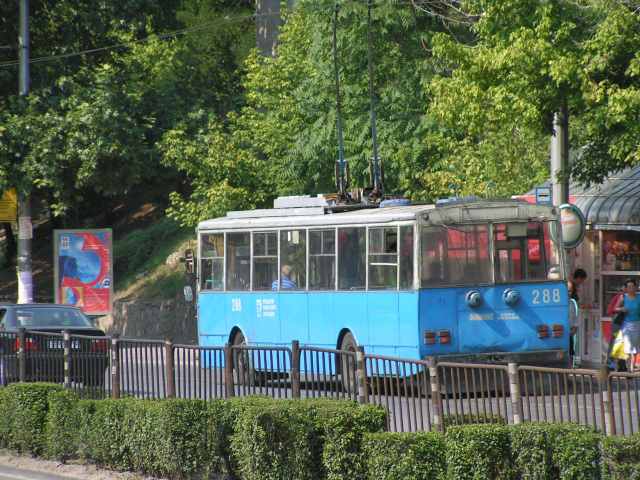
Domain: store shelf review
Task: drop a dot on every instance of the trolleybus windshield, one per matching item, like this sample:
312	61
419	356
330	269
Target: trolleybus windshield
462	254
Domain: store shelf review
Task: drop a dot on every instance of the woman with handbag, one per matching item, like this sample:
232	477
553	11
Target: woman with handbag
629	304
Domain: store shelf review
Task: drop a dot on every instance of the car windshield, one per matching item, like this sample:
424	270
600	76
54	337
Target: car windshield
50	317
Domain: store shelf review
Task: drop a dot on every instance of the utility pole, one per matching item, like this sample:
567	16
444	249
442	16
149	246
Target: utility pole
560	156
25	231
267	26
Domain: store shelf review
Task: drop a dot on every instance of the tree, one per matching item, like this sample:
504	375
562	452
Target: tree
524	60
223	175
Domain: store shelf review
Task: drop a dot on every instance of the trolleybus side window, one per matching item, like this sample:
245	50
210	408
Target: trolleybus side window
352	258
238	261
265	260
293	260
383	258
455	255
406	257
322	259
212	261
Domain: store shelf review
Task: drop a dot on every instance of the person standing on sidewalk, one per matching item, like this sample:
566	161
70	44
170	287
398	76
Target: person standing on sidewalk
579	277
629	304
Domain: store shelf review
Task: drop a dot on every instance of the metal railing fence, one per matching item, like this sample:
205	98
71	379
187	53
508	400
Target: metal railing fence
419	395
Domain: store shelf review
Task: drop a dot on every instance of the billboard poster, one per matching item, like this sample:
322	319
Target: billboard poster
83	269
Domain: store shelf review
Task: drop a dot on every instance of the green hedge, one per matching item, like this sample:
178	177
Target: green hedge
405	456
471	419
260	438
342	426
621	458
23	410
63	425
479	452
275	441
562	451
305	439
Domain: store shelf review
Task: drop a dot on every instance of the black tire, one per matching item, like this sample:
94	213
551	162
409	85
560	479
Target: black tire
243	373
348	364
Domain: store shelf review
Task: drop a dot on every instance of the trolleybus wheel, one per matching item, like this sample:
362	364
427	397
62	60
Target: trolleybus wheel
348	363
243	373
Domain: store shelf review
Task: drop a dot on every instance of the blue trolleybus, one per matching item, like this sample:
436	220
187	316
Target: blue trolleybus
459	279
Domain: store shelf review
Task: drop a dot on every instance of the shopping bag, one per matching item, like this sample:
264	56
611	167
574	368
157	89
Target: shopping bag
617	351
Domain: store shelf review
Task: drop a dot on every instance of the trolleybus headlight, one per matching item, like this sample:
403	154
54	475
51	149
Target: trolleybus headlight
445	337
429	337
511	297
543	331
474	299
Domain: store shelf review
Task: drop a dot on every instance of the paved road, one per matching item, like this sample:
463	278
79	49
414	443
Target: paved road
10	473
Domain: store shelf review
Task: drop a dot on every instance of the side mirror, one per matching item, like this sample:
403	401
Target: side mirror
188	294
189	261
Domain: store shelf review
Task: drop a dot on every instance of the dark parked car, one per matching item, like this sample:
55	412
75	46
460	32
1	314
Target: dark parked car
44	345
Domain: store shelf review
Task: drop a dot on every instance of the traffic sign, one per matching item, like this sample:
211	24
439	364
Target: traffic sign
544	196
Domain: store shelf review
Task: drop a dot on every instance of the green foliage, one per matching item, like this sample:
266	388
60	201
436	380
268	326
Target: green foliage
275	441
555	451
524	60
223	175
256	438
621	458
167	438
23	408
92	123
575	451
479	452
106	433
405	456
63	425
467	418
342	426
532	455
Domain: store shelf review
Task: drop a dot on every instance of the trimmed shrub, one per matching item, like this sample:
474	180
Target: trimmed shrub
472	419
167	437
274	441
24	410
221	417
63	425
555	451
405	456
107	432
479	452
621	458
575	451
85	410
342	426
5	418
532	456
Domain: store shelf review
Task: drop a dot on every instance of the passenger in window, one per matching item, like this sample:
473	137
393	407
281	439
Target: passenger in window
286	282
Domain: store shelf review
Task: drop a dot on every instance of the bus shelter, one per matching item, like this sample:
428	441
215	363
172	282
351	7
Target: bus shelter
609	254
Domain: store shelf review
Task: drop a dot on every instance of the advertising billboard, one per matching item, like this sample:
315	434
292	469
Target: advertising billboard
83	269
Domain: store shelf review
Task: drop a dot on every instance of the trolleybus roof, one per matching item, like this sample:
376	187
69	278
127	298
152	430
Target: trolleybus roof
508	210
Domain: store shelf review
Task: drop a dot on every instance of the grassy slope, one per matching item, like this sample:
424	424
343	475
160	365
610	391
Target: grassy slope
140	261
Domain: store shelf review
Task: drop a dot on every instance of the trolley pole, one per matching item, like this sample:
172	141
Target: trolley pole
25	232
